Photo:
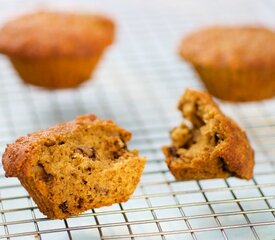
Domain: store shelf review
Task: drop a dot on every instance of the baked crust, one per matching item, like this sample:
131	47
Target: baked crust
56	34
214	147
16	158
75	166
56	73
235	47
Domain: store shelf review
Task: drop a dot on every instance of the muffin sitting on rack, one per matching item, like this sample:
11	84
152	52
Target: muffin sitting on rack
75	166
235	63
56	49
209	145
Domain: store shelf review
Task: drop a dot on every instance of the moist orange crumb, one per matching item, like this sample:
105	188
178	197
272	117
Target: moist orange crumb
210	145
75	166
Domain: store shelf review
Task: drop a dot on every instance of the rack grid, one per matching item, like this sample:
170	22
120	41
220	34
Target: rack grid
138	84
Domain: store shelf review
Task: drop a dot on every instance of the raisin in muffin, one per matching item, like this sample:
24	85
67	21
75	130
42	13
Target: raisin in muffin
56	49
75	166
211	145
234	63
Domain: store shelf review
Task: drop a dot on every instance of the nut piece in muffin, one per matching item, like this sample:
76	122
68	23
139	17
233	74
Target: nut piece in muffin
234	63
75	166
209	144
56	49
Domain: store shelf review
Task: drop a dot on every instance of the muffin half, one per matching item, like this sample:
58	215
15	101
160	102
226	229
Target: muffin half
209	144
75	166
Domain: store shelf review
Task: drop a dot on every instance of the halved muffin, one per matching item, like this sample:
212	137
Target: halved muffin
209	144
75	166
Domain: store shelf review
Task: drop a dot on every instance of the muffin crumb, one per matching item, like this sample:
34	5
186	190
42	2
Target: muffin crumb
213	147
91	168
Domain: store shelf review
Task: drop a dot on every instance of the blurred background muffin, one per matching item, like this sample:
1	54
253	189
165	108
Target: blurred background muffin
56	49
235	63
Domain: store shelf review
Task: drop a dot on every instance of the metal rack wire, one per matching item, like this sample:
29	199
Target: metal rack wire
138	84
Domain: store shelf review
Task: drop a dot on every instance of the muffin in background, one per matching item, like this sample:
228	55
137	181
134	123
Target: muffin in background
56	49
234	63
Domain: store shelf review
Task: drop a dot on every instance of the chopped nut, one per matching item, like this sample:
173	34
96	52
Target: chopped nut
49	143
116	155
80	202
41	173
89	152
101	189
64	207
84	181
173	151
48	177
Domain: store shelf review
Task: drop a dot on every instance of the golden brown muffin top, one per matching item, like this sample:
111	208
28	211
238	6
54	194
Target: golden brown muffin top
18	156
56	34
234	47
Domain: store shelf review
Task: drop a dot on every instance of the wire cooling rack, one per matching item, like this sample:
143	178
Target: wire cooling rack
138	84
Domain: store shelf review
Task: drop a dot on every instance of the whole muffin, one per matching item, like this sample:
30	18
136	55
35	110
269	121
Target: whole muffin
75	166
235	63
56	49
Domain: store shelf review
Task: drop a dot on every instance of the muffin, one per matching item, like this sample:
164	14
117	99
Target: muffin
56	49
75	166
209	144
234	63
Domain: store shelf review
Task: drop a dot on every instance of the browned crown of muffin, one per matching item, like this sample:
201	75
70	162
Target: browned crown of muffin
54	34
56	49
234	47
209	144
75	166
235	63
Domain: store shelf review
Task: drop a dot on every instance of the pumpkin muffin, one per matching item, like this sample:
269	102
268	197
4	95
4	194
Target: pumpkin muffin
209	144
56	49
234	63
75	166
